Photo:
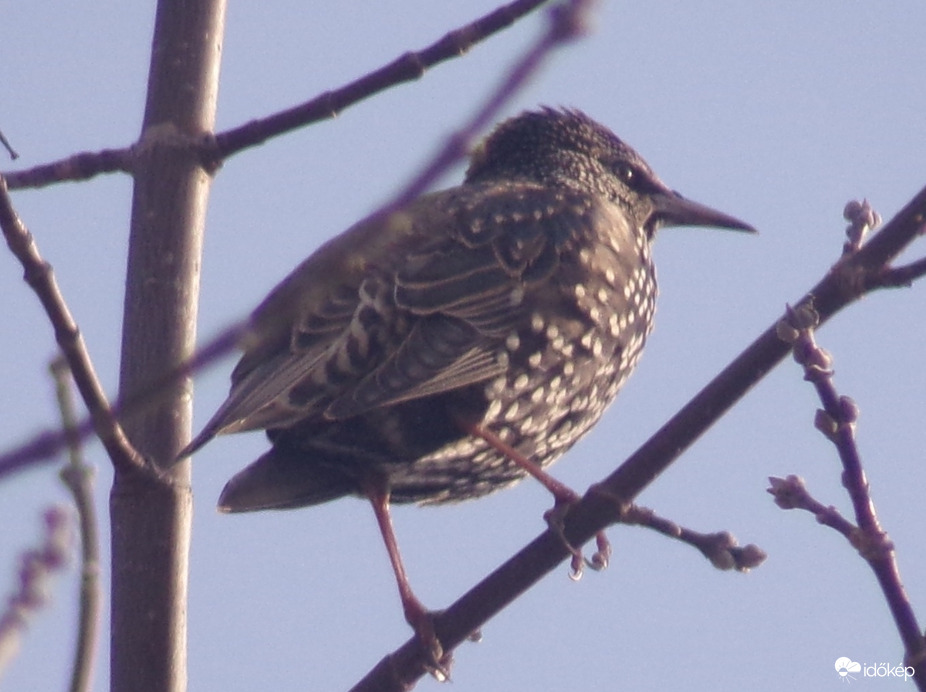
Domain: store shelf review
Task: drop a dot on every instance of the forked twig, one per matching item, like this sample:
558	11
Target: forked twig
837	421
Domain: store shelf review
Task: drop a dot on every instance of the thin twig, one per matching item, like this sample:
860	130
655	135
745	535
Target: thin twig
719	547
214	149
78	477
38	274
904	276
82	166
567	23
9	147
44	446
837	421
791	493
407	67
36	567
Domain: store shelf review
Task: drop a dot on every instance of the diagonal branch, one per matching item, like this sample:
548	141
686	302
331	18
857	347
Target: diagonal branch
39	275
46	445
407	67
851	277
214	149
567	22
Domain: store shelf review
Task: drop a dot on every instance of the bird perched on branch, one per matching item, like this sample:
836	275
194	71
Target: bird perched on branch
445	350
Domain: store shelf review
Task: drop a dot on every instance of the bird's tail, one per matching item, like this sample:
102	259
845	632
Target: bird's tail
281	480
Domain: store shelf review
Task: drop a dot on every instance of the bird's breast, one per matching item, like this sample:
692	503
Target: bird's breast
580	335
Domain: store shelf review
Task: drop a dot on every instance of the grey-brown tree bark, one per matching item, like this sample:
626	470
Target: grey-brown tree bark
151	518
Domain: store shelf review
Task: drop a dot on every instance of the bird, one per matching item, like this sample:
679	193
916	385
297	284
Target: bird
449	348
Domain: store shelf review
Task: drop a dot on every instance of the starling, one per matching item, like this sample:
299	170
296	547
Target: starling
445	350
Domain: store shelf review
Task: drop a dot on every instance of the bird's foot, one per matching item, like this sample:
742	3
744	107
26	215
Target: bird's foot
555	520
565	498
435	660
433	657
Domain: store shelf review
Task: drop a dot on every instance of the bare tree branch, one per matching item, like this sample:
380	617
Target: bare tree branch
78	477
38	274
837	420
9	148
214	149
605	503
82	166
151	519
567	22
36	567
44	446
407	67
720	547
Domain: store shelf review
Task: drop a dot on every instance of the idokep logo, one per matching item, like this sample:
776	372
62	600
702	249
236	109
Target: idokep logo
849	670
846	666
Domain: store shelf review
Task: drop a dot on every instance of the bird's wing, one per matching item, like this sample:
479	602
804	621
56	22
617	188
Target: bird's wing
442	293
257	397
467	294
397	308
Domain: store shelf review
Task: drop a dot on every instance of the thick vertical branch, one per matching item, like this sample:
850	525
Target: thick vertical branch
151	519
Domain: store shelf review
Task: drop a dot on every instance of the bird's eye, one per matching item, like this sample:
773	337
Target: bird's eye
625	173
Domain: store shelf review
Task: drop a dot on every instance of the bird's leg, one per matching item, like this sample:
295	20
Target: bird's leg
564	497
419	617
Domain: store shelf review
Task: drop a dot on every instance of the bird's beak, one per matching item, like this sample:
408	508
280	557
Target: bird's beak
671	209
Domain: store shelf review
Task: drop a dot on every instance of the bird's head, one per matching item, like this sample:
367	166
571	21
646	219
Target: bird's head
567	148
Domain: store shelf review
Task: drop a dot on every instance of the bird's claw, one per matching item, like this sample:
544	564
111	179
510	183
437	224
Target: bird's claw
599	561
602	556
435	660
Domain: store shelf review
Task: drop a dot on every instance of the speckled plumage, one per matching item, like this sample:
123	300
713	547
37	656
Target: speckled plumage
518	302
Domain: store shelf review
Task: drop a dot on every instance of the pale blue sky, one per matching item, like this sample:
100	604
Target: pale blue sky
777	113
